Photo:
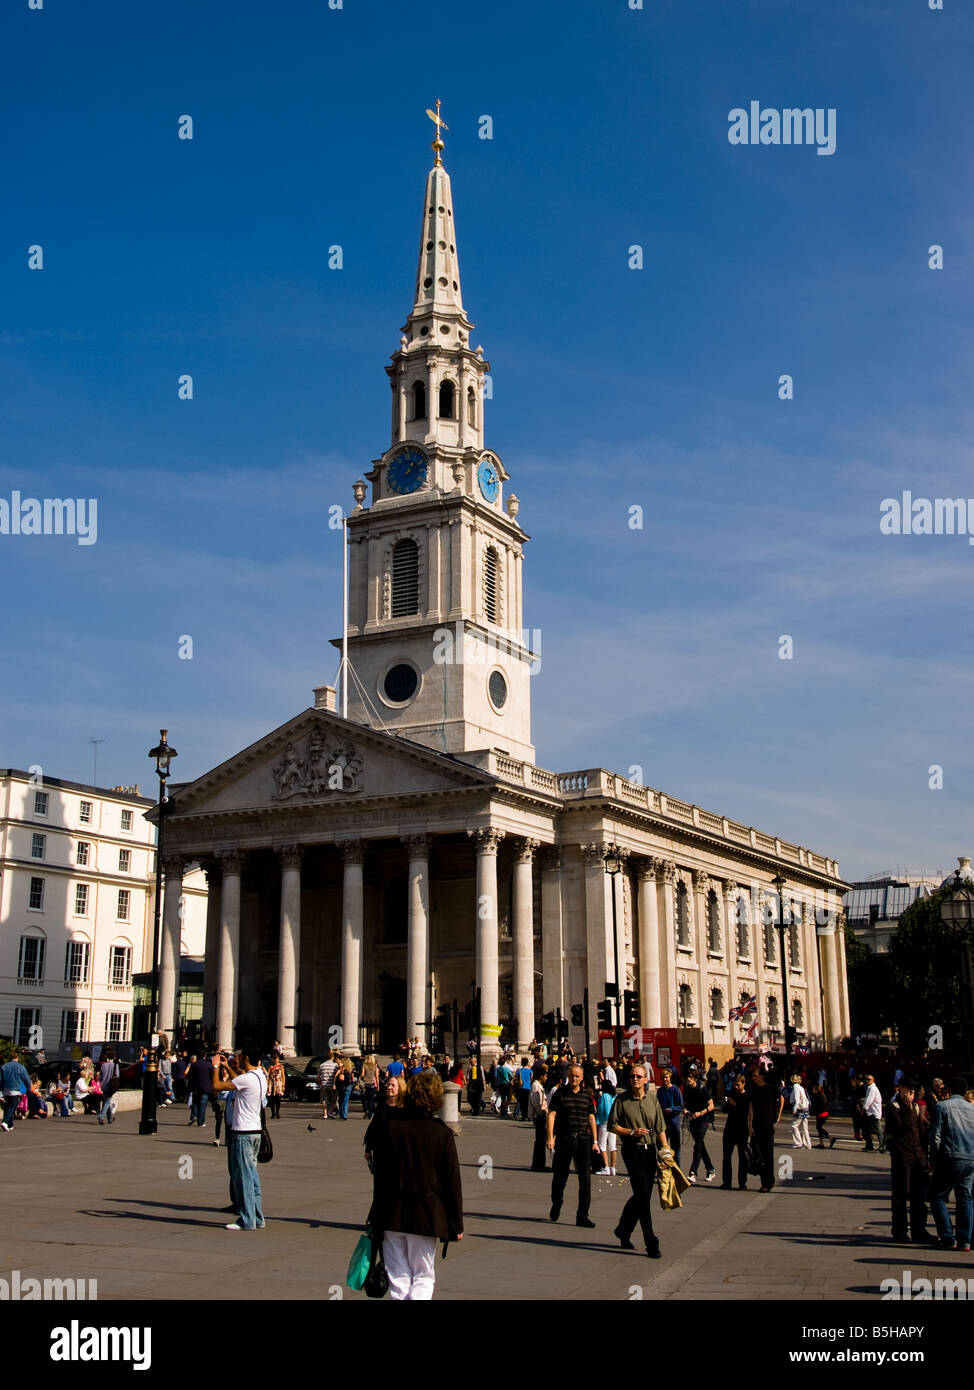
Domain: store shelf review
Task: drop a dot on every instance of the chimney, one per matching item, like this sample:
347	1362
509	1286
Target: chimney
324	697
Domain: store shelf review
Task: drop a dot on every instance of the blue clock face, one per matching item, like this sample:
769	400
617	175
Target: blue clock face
407	471
490	483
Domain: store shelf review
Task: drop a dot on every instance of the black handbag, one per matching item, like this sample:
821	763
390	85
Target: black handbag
377	1280
752	1158
266	1150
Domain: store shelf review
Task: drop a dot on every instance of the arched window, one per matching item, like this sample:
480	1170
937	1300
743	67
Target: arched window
419	401
717	1006
774	1020
770	955
794	947
713	923
492	594
799	1016
405	578
743	930
471	406
446	400
682	915
685	1005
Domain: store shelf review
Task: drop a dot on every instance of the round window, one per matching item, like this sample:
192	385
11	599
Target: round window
400	684
497	689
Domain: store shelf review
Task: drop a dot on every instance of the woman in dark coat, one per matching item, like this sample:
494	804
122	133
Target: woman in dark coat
417	1199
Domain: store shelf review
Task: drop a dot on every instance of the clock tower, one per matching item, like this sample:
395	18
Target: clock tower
435	628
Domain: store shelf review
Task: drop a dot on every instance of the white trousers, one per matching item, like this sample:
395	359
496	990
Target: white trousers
409	1265
799	1133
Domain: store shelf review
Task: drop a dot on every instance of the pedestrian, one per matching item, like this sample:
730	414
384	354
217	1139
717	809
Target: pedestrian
108	1078
523	1079
475	1087
608	1141
637	1119
165	1079
800	1106
275	1086
416	1194
735	1134
538	1115
200	1083
699	1108
571	1136
952	1156
327	1072
504	1081
670	1098
872	1113
819	1105
246	1080
344	1086
908	1165
370	1085
765	1104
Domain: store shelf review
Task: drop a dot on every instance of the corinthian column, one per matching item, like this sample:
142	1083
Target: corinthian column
486	842
417	948
172	868
667	887
523	983
730	952
289	959
649	971
353	854
211	950
226	1001
552	980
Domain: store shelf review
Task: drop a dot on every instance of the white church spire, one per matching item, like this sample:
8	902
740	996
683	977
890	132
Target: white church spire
437	316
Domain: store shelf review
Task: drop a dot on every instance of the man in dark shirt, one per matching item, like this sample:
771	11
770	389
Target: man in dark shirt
200	1082
699	1107
908	1165
670	1099
572	1134
180	1067
765	1104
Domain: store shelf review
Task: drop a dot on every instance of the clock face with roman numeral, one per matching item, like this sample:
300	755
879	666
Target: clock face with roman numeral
487	477
407	471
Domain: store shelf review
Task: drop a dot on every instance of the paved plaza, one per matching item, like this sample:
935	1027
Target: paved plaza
141	1216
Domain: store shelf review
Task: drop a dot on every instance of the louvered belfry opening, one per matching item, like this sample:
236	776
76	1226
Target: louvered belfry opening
405	578
491	596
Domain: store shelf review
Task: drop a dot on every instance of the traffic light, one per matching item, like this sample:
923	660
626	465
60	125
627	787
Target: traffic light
630	1008
442	1023
791	1035
548	1025
562	1029
604	1012
578	1016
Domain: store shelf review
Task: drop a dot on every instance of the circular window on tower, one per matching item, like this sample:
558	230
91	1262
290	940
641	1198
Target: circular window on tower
399	684
497	689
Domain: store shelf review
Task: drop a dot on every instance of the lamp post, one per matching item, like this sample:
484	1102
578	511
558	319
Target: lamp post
957	915
163	755
779	883
613	866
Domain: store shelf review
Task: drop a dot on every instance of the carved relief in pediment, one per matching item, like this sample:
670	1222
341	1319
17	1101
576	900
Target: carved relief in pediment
319	770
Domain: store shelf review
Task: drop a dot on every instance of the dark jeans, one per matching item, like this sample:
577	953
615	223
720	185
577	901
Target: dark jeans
674	1135
734	1140
475	1099
369	1094
274	1106
823	1133
956	1174
641	1167
909	1189
764	1139
873	1131
538	1164
522	1102
698	1131
217	1105
567	1148
198	1112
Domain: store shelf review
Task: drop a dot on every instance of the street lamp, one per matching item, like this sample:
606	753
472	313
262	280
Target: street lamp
779	883
163	755
957	915
613	866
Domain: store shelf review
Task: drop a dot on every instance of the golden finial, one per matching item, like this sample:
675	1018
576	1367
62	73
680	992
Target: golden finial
440	124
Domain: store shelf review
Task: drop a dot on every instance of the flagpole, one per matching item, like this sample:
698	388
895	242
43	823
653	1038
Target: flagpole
344	617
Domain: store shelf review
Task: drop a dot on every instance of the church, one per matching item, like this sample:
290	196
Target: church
397	849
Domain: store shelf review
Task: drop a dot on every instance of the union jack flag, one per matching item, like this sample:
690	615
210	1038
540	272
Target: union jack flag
750	1031
750	1006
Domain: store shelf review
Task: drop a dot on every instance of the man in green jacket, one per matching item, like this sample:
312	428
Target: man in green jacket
638	1121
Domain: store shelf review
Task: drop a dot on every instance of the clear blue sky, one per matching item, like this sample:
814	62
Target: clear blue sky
612	387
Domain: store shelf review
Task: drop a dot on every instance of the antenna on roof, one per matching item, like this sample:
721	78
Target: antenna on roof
94	770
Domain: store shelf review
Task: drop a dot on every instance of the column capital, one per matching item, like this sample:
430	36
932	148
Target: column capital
666	869
418	846
290	856
230	860
647	867
595	852
173	865
731	887
486	839
701	880
524	852
212	870
352	851
550	858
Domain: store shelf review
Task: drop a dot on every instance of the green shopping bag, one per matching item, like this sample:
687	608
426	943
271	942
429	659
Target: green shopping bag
358	1265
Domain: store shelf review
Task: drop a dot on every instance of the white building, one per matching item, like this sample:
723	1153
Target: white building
366	870
77	883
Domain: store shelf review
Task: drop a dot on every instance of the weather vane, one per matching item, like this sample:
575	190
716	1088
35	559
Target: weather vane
440	124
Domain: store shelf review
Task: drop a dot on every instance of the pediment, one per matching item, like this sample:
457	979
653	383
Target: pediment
318	759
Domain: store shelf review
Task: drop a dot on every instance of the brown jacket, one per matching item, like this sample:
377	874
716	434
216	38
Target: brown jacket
416	1176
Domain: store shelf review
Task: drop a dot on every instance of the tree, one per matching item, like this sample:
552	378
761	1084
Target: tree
869	977
926	977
